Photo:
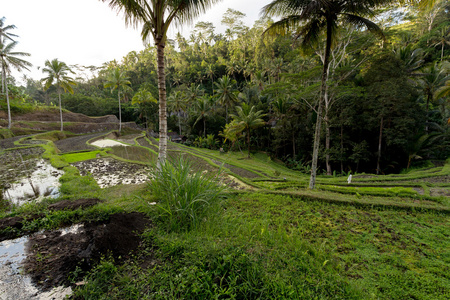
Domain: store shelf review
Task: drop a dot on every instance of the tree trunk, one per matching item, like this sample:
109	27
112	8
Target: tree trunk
60	109
226	114
293	145
120	113
7	103
429	96
162	154
248	142
379	146
204	127
3	79
342	149
312	182
179	122
327	142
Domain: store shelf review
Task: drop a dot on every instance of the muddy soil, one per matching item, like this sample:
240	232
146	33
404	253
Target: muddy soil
53	256
10	225
437	192
437	179
77	143
9	142
110	172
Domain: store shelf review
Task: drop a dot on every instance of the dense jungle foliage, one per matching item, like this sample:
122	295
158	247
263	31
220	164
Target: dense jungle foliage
387	102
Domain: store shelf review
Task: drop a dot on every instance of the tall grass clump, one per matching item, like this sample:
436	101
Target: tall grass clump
185	198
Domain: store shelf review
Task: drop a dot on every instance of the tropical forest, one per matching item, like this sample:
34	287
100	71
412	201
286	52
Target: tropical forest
306	156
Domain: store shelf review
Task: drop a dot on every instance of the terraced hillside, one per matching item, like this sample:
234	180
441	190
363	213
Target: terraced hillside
378	237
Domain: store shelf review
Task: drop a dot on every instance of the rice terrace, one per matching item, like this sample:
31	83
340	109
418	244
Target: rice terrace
306	156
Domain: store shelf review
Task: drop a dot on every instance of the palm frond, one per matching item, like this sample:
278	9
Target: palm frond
360	21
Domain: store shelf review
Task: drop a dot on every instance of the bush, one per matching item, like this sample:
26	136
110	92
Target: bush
185	198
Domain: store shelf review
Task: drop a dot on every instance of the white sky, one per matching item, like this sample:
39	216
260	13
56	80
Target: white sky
89	32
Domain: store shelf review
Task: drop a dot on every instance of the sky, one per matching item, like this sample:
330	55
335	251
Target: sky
89	32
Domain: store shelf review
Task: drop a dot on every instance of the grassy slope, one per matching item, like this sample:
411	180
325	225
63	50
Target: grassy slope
281	240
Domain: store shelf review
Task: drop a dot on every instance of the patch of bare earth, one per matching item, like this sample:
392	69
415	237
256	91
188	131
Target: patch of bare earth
440	192
10	225
77	143
52	256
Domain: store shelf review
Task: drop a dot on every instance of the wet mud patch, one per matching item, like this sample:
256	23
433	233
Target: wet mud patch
419	190
241	172
53	256
110	172
9	142
129	138
31	180
10	227
77	143
437	179
437	192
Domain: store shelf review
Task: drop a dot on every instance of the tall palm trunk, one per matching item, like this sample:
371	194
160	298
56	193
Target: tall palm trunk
179	121
312	181
342	148
204	126
327	145
60	107
379	145
226	114
120	113
3	77
7	102
429	97
294	154
248	142
162	154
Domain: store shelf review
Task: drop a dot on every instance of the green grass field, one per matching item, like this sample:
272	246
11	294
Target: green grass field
381	237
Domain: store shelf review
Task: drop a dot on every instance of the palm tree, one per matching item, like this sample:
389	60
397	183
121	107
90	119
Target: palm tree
177	103
156	17
204	109
246	119
193	92
225	93
11	59
443	91
312	17
58	71
210	73
143	97
442	39
432	79
4	34
117	80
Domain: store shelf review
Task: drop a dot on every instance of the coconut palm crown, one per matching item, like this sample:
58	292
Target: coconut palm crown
309	18
156	17
58	73
11	59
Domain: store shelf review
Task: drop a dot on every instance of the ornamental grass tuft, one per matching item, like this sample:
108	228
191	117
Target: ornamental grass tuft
185	198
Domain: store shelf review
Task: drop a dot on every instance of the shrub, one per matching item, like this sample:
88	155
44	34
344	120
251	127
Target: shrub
184	198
